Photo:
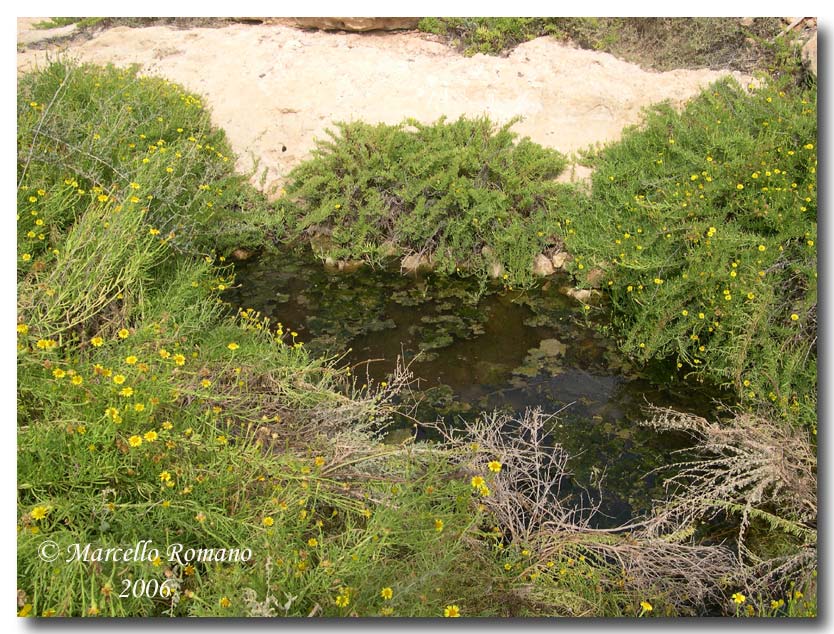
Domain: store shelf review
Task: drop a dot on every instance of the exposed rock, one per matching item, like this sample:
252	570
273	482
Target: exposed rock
595	276
746	21
579	294
356	24
241	254
560	259
569	98
809	55
416	262
496	270
35	36
349	266
542	265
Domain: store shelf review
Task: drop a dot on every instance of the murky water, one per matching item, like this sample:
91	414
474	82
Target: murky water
476	348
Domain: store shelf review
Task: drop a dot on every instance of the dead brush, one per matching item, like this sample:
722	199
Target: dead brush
751	468
531	503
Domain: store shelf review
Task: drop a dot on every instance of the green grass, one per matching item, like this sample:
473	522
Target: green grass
142	141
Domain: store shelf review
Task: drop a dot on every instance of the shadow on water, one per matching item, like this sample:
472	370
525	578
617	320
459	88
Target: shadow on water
475	349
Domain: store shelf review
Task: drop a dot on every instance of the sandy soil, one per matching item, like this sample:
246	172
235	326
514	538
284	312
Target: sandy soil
273	87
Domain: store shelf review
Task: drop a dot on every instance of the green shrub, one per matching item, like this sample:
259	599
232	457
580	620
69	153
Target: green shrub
704	223
142	140
147	412
447	190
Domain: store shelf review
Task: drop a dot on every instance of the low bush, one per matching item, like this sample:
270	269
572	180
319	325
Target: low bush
464	193
141	140
703	223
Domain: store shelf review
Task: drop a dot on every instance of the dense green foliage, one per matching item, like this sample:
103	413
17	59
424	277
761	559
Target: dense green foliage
446	190
144	141
704	223
144	400
659	43
147	412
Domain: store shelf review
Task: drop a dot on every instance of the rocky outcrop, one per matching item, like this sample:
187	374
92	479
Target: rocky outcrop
356	24
37	36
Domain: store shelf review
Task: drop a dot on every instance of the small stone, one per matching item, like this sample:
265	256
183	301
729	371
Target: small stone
241	254
579	294
809	55
349	266
415	262
542	265
560	259
595	277
552	347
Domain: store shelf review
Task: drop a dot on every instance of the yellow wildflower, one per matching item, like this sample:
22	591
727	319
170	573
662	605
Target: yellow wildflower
39	512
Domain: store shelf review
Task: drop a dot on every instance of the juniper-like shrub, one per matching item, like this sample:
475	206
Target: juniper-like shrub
446	190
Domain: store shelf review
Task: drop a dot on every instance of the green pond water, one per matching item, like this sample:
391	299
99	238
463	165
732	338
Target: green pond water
477	348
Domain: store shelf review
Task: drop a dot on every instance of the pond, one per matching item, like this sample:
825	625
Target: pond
475	347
